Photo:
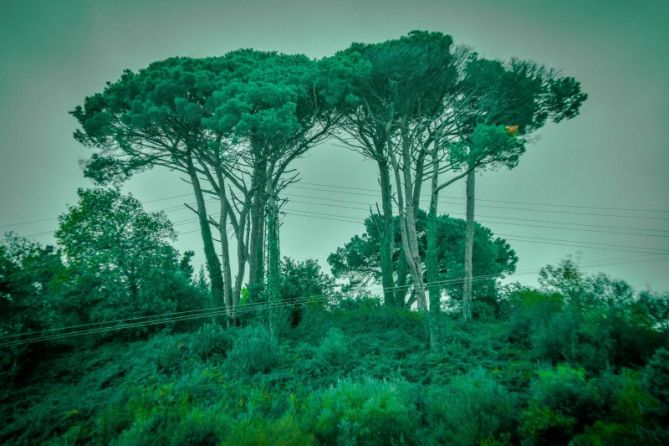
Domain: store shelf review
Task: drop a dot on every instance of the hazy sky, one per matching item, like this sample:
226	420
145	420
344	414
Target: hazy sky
614	155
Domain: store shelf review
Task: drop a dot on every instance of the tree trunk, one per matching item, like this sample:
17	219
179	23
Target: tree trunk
273	255
257	242
213	265
408	217
225	251
469	249
432	251
432	269
388	237
242	258
402	272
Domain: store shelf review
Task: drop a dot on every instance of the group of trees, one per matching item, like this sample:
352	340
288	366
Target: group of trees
231	126
110	337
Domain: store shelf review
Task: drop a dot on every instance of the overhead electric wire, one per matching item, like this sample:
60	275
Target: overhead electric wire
331	187
583	244
72	328
634	228
532	203
462	279
212	312
638	217
502	223
170	319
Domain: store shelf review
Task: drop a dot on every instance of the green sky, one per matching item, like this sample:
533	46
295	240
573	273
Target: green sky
615	155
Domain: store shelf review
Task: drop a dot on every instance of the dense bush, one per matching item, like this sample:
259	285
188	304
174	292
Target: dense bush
553	369
473	409
254	350
369	412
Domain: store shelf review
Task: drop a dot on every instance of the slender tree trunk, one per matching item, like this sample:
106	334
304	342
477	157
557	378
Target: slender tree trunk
213	265
388	237
469	249
257	242
432	269
273	255
402	272
409	242
242	258
225	250
410	234
432	251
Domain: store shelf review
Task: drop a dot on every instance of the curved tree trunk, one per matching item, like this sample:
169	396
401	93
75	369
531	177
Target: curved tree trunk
213	264
408	219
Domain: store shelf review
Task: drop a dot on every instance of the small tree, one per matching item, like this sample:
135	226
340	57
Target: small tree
119	260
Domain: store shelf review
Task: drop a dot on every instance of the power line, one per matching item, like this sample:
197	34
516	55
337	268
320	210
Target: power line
513	237
251	307
501	218
576	243
92	325
212	312
634	228
532	203
523	272
181	208
506	207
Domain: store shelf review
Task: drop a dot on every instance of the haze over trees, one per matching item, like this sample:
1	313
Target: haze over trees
110	336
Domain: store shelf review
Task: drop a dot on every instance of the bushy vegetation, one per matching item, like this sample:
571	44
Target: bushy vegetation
554	368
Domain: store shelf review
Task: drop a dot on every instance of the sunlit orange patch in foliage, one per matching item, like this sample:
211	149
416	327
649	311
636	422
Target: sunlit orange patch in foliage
511	129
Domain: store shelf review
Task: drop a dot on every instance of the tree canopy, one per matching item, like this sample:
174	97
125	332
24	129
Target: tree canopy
359	261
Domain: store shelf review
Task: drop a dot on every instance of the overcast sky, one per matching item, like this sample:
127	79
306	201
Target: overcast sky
609	164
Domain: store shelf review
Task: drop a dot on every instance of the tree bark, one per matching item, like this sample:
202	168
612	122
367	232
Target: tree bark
408	217
225	250
432	265
213	265
388	237
432	251
242	257
273	254
257	236
469	249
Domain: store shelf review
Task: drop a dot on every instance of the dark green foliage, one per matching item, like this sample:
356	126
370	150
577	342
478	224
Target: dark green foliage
120	263
359	259
582	360
472	409
369	412
303	285
211	342
356	372
254	351
656	376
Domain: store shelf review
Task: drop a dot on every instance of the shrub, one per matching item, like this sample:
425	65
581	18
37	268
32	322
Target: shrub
211	342
563	389
370	413
254	351
284	431
333	349
656	376
471	410
561	403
